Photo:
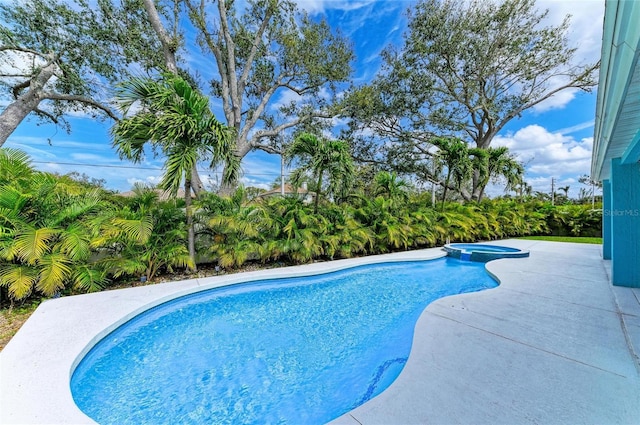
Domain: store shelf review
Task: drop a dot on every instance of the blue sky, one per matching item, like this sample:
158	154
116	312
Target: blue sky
554	139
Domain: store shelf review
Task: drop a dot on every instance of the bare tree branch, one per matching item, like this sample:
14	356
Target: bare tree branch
168	44
15	75
19	87
279	129
254	48
24	50
47	114
82	99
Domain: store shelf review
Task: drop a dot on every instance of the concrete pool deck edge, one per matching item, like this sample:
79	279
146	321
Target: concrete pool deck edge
36	365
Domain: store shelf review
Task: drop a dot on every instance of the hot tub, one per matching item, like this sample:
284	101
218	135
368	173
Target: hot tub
482	252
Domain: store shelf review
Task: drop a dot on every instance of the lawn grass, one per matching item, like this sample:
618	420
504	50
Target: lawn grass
564	239
11	319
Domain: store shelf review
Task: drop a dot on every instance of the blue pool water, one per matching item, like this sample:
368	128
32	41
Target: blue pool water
299	350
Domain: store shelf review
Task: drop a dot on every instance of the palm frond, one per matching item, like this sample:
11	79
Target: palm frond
139	230
74	243
32	243
19	280
88	279
54	271
15	167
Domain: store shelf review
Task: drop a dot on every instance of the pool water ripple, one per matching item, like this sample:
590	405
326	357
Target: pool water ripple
298	350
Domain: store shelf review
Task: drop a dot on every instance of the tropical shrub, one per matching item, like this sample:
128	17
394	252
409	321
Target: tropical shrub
574	220
59	234
45	242
142	238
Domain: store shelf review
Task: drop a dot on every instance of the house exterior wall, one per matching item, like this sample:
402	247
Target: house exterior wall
616	145
625	223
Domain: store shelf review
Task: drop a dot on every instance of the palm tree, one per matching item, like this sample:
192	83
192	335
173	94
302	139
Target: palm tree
454	154
495	163
458	223
524	190
390	227
318	156
177	120
236	236
343	235
390	186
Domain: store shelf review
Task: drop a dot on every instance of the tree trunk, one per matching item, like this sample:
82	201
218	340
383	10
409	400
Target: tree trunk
481	194
477	191
191	238
26	103
444	192
315	206
228	187
168	44
476	186
13	115
169	51
196	183
282	174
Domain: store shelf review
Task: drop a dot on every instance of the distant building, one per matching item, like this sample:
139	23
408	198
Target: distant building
162	194
289	190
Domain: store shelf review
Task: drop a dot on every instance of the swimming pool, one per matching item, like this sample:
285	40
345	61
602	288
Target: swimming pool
286	350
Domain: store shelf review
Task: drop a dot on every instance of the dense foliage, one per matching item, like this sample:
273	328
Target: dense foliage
465	69
56	57
58	234
175	119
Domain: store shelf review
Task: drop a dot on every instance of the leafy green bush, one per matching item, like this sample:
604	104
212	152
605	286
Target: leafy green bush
57	233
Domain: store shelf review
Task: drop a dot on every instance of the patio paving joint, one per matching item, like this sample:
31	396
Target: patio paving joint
525	344
354	418
561	300
625	331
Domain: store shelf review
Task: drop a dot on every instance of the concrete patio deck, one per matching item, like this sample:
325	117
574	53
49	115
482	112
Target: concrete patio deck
555	343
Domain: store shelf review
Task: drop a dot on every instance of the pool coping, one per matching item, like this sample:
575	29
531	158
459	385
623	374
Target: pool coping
36	365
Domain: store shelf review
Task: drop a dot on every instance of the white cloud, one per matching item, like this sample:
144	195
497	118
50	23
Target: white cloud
286	98
252	182
151	180
321	6
52	167
577	127
585	31
90	157
373	57
548	155
18	63
36	154
557	101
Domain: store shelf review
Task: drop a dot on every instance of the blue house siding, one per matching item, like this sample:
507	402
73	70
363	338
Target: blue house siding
625	223
606	220
616	144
